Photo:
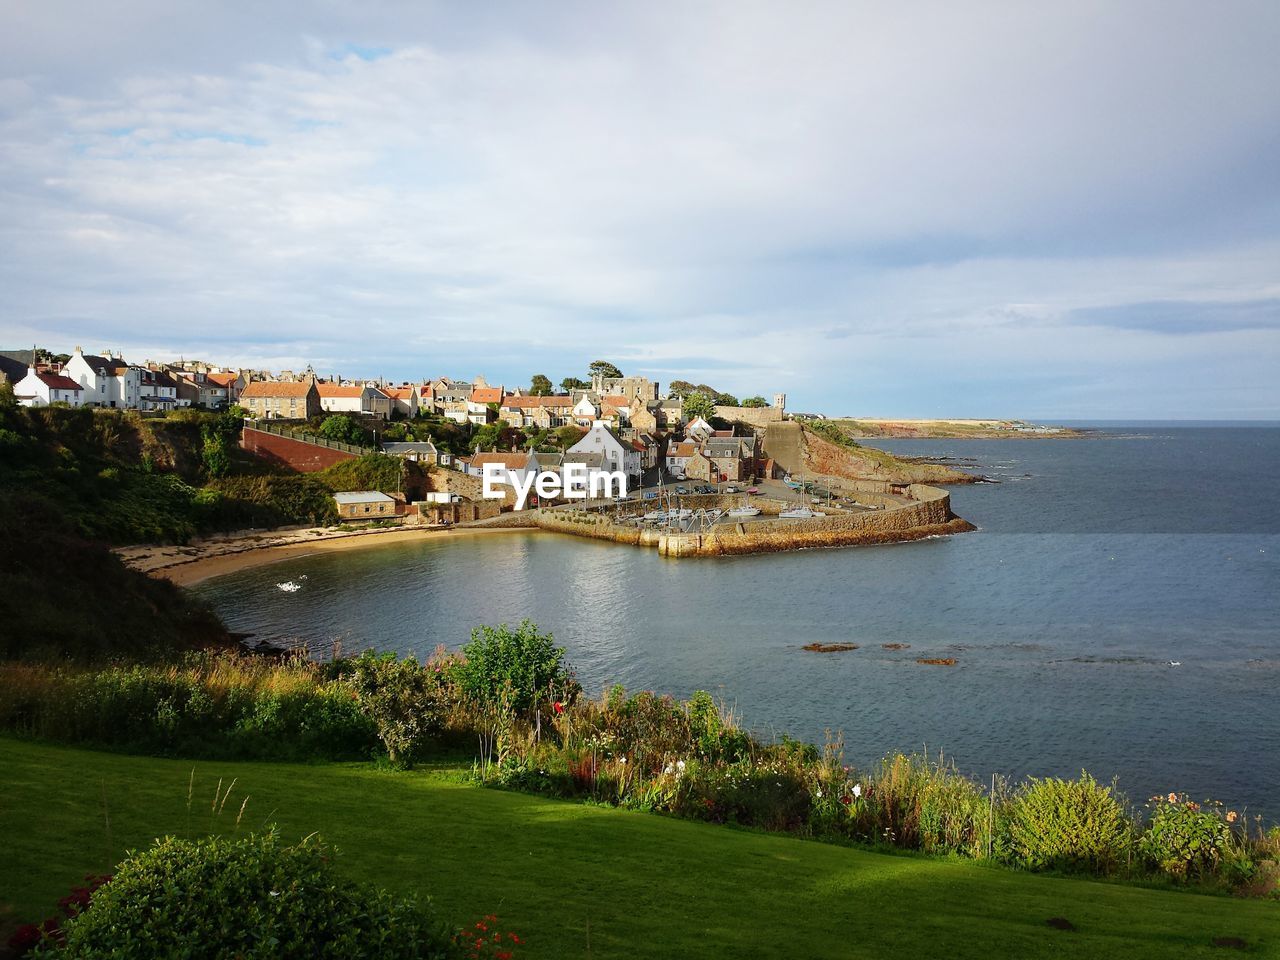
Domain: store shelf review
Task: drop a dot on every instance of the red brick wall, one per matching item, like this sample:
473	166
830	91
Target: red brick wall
287	452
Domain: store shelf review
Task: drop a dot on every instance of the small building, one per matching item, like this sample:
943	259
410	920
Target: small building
364	505
356	399
420	451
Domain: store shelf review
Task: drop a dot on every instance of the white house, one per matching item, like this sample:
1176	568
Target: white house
404	400
39	389
478	411
354	399
158	390
617	454
105	381
698	430
678	455
585	411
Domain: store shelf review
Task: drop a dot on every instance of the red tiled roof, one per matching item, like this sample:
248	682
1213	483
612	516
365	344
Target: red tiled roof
524	403
338	390
400	393
486	395
512	461
57	381
224	379
682	450
615	401
276	388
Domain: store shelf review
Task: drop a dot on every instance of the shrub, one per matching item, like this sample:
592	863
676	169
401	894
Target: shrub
526	660
247	898
1067	824
1184	839
401	697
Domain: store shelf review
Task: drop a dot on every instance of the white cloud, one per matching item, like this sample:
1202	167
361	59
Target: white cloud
776	195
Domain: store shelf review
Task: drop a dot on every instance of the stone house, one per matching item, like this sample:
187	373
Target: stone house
280	399
365	505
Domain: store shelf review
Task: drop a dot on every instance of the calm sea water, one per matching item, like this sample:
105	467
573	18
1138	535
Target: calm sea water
1098	565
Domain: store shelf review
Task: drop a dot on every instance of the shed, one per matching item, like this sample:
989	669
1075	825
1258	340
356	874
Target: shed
364	505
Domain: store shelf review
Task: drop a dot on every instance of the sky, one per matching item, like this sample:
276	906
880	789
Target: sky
1052	210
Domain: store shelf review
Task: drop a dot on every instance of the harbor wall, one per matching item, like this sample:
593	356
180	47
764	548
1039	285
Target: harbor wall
909	513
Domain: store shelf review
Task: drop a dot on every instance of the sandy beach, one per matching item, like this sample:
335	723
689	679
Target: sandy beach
189	564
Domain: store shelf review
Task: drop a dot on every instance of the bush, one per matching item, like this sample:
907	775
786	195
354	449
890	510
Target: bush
401	697
526	660
1067	824
1184	839
247	898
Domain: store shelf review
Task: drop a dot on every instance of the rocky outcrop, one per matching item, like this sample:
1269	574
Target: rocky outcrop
799	450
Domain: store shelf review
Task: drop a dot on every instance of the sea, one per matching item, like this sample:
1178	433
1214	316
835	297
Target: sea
1117	611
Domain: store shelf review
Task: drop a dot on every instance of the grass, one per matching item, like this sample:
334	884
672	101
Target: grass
581	881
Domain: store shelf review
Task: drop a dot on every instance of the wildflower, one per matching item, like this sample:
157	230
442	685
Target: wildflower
1173	798
846	799
558	706
1232	816
680	765
622	759
857	789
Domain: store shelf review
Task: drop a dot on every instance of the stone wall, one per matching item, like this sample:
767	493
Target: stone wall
927	513
288	452
755	416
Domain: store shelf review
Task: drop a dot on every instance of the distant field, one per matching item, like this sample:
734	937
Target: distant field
961	428
581	881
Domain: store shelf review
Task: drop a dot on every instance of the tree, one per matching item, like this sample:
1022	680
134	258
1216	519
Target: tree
401	697
698	404
680	388
540	385
486	438
756	401
519	666
343	429
726	400
220	434
604	368
569	384
567	436
7	398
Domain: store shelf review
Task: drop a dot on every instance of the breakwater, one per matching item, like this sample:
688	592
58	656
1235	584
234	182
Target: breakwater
902	513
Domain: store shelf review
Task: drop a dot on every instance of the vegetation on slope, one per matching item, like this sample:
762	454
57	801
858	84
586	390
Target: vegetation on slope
567	875
832	452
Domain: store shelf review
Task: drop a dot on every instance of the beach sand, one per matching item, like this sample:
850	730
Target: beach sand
189	564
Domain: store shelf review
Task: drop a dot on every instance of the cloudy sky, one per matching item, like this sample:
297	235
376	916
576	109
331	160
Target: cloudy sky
1046	210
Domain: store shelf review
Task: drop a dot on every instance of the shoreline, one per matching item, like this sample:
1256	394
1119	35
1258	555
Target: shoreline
190	564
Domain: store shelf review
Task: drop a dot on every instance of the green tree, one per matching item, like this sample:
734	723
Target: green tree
756	401
344	429
401	697
567	436
604	368
220	435
680	388
8	400
540	385
525	662
698	404
726	400
569	384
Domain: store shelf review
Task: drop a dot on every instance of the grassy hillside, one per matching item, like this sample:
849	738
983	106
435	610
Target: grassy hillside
577	880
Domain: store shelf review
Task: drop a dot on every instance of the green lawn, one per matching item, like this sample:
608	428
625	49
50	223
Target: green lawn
564	875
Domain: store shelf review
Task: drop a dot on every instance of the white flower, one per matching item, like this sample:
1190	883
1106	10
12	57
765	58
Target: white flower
680	765
819	794
622	759
857	789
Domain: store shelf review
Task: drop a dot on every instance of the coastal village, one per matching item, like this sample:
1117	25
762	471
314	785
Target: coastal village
610	423
704	472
